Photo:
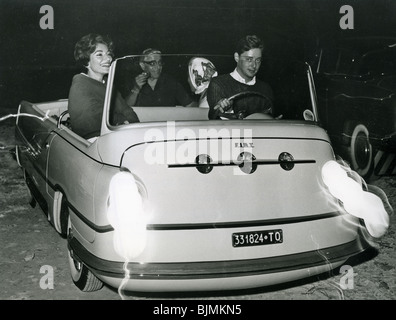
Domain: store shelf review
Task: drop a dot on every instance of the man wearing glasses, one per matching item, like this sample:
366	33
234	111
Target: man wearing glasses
154	88
248	57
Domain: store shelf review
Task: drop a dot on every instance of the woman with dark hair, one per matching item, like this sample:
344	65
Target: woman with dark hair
87	92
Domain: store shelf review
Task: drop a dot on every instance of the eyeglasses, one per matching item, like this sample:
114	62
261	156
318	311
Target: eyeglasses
251	59
154	63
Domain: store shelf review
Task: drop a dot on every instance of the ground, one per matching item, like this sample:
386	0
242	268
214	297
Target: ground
31	251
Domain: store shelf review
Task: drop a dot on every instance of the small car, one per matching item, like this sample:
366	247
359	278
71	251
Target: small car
356	85
178	202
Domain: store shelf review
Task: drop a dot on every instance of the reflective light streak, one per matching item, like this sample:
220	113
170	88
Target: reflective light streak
3	147
125	280
26	115
126	215
356	201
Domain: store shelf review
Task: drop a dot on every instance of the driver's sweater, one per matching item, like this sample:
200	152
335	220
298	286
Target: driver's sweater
225	86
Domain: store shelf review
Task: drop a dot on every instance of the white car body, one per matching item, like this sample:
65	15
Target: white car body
220	229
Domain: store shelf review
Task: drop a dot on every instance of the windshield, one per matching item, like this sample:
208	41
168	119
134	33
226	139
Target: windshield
345	61
189	76
379	63
337	61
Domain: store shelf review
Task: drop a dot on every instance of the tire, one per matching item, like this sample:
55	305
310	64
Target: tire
361	152
82	277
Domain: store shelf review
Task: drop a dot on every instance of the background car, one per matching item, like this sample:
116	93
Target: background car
356	86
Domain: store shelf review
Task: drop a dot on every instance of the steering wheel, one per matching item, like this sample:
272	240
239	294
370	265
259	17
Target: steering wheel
242	114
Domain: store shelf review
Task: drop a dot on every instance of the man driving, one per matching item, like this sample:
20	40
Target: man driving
248	56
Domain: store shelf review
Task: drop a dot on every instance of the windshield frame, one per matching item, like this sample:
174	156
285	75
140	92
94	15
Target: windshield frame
108	127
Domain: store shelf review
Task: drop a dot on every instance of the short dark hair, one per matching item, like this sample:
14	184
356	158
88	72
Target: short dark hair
249	42
87	45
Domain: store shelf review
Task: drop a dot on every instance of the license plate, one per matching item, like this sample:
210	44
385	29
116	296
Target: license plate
257	238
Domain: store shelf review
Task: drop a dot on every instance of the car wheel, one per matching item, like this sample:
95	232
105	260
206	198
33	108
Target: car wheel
82	277
361	152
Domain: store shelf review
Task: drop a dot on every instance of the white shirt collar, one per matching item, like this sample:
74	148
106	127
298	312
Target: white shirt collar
238	78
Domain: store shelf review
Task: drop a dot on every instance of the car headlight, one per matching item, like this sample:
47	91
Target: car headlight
357	202
126	215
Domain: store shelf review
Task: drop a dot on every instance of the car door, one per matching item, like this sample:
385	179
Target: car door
37	136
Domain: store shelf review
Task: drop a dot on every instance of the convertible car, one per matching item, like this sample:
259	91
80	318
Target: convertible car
178	202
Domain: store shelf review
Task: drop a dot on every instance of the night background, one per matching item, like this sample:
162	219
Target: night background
38	65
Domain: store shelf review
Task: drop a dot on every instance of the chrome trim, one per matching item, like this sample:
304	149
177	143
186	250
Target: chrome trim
242	224
216	269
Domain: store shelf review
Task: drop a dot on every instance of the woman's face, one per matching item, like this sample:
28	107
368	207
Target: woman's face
100	61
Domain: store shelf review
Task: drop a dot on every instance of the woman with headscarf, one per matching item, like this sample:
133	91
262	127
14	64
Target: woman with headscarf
200	72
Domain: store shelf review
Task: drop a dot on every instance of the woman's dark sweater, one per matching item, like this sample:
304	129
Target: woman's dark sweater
86	102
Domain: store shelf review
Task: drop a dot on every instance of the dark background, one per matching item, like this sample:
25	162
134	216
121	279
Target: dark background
38	65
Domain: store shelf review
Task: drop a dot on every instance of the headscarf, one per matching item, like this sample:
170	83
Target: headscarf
201	71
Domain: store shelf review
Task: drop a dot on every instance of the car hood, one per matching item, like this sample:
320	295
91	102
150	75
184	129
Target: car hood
112	146
388	83
163	159
378	88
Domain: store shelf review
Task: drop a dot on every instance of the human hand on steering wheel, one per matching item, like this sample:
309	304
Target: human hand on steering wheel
223	105
226	104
